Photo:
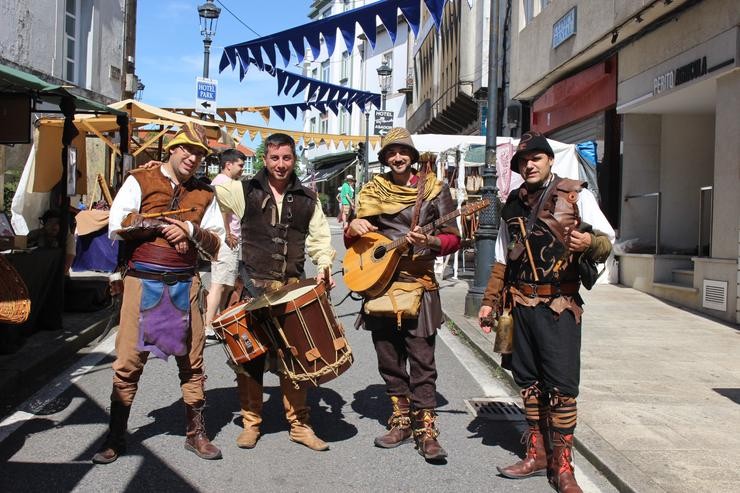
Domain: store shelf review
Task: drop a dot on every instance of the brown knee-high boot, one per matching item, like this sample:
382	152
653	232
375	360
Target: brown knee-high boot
115	443
399	424
196	439
426	433
536	409
250	400
297	413
563	417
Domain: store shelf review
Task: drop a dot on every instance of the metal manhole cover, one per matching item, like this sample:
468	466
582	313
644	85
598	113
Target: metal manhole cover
495	409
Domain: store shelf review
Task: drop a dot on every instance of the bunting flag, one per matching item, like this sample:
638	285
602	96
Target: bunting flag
311	33
231	112
300	137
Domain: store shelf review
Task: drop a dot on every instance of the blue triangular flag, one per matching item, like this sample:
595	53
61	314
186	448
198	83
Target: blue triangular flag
412	13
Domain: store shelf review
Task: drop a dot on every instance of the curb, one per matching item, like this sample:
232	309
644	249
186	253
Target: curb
615	467
45	351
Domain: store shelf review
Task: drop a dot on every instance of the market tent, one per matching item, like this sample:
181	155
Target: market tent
14	80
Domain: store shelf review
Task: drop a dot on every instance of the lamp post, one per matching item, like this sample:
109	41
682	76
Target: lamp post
385	72
208	13
366	164
485	237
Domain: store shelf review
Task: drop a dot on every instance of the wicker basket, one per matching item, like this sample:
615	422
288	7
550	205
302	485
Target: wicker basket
15	304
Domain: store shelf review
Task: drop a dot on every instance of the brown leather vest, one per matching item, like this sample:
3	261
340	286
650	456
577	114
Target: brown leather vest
552	261
273	248
157	195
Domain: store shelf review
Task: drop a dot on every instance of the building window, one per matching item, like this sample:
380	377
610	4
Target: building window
346	67
71	34
325	71
346	5
324	123
248	169
312	125
344	121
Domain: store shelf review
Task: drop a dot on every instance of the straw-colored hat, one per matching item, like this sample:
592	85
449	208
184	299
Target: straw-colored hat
190	134
397	136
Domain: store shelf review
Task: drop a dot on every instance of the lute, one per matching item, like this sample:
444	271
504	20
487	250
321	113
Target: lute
371	261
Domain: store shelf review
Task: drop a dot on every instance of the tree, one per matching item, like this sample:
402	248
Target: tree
259	157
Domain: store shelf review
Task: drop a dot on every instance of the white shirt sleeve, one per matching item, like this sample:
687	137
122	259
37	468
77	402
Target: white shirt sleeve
128	200
502	241
212	220
591	214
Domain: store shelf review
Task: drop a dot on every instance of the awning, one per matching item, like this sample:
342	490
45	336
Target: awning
13	80
328	172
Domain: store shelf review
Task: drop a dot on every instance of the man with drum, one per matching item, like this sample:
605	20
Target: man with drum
282	222
166	218
225	269
387	204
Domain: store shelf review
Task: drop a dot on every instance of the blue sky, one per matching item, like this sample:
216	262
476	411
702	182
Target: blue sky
169	53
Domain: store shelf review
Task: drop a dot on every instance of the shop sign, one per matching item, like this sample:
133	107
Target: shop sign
564	28
681	75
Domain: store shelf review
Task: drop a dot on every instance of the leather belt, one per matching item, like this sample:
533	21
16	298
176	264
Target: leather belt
169	278
552	290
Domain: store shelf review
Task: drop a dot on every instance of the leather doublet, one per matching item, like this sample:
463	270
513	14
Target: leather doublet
274	244
157	195
547	238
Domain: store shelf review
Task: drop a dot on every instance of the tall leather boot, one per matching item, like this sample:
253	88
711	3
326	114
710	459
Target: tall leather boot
562	477
297	414
426	433
399	424
250	400
115	443
196	439
536	438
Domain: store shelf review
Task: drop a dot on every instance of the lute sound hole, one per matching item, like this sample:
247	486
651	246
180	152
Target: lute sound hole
379	253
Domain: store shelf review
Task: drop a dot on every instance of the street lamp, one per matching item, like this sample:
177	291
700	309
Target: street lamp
487	233
385	72
208	13
366	164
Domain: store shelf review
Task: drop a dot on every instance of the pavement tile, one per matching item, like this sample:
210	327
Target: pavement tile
660	390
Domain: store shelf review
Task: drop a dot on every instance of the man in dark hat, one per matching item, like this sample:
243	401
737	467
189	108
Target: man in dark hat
166	218
406	336
549	226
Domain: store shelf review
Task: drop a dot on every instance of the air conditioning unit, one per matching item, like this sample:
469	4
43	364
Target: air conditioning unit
131	82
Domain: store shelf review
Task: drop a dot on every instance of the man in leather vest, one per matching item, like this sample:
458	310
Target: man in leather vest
282	221
386	205
549	225
159	311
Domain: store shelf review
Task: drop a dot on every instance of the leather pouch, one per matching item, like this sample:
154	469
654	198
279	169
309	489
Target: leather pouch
401	300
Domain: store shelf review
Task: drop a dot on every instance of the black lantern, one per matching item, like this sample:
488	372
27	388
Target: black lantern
385	73
208	13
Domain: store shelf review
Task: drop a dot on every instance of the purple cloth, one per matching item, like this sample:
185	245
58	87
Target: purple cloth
164	320
96	252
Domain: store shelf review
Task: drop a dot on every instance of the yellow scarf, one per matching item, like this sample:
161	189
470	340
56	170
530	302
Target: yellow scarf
382	196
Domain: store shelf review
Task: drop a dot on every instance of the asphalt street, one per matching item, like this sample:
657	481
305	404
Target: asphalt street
47	444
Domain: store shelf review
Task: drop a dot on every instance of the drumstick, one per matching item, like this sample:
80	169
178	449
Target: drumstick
327	276
168	213
529	250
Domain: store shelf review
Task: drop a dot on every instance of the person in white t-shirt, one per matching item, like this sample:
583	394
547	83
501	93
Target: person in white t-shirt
225	268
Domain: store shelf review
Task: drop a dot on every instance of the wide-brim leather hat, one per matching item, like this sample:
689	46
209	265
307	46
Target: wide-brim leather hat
530	141
397	136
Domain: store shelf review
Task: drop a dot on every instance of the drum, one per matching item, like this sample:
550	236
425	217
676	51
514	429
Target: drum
309	341
242	338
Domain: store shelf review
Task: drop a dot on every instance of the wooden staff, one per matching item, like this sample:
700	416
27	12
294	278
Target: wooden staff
104	189
168	213
529	250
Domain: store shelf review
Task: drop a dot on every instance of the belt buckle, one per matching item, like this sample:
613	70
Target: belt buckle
533	287
169	278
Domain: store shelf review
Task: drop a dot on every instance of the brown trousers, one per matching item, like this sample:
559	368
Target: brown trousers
129	363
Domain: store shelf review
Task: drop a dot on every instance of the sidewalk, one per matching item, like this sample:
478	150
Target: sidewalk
659	408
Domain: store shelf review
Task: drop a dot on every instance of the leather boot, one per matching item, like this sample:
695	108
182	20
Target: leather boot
535	463
399	424
250	400
115	443
425	435
197	441
561	473
297	414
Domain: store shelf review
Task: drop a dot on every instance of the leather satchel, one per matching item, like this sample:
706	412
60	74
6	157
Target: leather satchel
401	300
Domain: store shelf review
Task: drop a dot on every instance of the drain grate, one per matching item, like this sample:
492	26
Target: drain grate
495	409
